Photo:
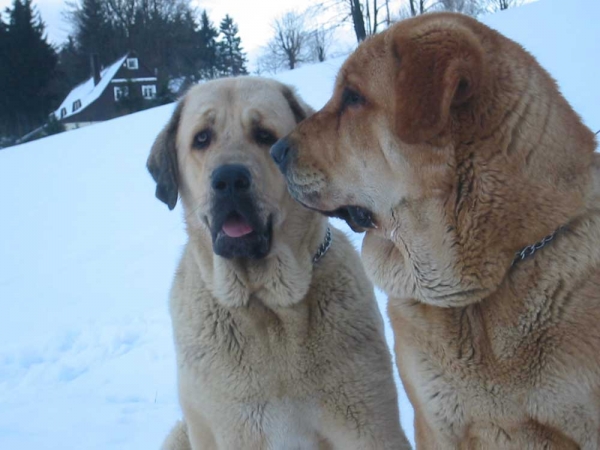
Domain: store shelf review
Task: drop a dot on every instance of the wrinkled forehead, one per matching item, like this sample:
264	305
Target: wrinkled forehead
364	69
239	104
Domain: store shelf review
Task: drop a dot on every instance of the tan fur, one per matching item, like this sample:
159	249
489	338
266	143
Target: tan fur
275	353
178	438
464	150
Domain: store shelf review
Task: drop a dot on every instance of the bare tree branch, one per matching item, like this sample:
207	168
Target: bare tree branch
500	5
469	7
320	43
289	45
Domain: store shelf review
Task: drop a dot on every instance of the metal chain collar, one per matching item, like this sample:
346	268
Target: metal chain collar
531	249
323	247
519	256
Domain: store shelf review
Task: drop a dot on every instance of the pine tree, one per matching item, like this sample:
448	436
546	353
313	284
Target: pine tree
97	33
162	32
188	43
73	64
4	74
94	32
30	63
232	59
207	51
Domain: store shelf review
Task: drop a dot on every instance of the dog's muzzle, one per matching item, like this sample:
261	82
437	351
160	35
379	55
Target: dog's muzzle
237	228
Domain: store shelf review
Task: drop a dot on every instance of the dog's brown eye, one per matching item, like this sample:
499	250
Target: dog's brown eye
351	98
264	137
202	139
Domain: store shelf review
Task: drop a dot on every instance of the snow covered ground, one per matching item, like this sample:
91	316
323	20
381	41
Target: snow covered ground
87	255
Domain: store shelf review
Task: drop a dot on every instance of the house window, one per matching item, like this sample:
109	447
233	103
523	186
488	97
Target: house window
63	112
149	91
76	105
120	92
132	63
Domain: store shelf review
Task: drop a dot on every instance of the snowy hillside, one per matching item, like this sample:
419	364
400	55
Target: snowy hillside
87	255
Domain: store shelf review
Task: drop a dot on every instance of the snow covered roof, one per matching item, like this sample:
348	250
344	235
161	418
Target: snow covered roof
86	92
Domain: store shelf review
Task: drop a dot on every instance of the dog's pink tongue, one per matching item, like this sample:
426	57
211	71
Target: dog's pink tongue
236	227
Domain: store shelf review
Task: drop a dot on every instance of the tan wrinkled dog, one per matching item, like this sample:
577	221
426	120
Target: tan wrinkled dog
454	149
274	350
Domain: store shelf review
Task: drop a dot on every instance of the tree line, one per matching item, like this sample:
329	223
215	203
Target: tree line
369	16
28	71
306	36
170	37
174	39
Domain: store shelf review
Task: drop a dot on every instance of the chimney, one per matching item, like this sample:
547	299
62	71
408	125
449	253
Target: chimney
95	67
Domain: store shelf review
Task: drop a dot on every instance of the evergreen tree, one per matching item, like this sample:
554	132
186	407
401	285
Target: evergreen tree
207	51
96	32
73	64
164	33
30	65
231	57
187	41
4	74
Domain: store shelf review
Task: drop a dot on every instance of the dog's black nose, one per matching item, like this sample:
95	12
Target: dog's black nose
231	179
280	153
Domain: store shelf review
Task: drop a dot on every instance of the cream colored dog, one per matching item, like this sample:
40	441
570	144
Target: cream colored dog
278	336
454	150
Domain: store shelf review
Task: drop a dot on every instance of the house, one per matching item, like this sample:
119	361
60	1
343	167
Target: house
98	98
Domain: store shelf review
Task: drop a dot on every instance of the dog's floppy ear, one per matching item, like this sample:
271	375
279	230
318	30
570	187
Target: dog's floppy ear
439	69
162	162
299	108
